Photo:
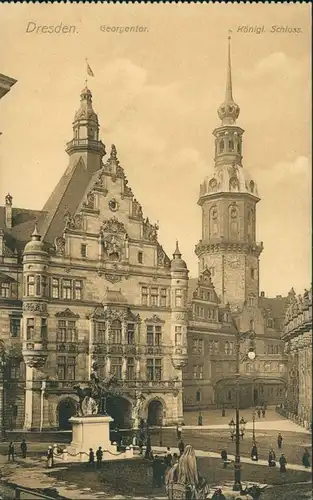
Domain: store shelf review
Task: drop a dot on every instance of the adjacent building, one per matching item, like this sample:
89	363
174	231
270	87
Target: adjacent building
298	347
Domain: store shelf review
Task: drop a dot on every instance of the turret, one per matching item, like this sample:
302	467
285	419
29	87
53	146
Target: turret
179	316
35	298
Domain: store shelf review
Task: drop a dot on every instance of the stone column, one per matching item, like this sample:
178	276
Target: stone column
28	398
124	368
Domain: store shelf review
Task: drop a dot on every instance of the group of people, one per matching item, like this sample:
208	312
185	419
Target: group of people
11	450
261	410
98	455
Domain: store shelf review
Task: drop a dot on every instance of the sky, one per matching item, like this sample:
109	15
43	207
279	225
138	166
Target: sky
156	92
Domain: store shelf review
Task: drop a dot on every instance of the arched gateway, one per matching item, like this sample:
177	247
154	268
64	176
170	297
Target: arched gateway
155	412
67	408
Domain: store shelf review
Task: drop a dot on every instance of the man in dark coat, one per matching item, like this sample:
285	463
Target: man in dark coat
271	458
181	447
11	452
99	455
254	453
156	472
279	440
148	448
282	463
24	448
306	458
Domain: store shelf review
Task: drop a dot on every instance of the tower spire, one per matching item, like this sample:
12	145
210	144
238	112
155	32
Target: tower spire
229	87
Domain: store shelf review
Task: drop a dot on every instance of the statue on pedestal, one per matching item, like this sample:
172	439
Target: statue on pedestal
93	398
139	399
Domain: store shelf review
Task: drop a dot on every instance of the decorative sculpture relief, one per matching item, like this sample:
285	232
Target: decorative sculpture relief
59	244
154	319
40	307
150	231
112	247
73	222
136	209
113	226
163	260
90	201
67	313
113	278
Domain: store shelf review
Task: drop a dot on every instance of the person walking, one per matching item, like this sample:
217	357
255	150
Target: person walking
259	412
306	458
148	448
271	458
91	460
254	453
11	452
168	457
181	447
224	457
50	461
263	412
178	431
279	441
282	463
200	418
99	456
24	448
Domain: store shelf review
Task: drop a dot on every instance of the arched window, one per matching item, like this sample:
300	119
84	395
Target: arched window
233	184
221	146
30	285
231	146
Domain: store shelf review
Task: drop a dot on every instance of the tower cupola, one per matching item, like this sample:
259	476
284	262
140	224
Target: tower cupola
178	263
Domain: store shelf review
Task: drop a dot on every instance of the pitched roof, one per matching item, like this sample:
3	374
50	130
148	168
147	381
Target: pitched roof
23	222
275	307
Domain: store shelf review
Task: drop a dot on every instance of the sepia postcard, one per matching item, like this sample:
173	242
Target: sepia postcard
155	251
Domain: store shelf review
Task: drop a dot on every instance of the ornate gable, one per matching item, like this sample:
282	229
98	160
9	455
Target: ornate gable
67	313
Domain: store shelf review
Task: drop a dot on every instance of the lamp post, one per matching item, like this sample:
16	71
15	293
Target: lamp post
3	363
253	427
241	337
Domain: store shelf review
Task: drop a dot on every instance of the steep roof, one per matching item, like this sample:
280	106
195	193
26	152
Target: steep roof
23	222
275	307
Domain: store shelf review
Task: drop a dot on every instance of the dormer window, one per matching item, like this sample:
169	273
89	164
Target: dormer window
231	145
221	146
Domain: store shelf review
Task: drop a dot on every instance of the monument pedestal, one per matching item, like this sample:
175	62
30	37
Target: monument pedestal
92	432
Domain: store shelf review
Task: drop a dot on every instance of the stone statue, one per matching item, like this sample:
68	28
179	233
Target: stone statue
139	399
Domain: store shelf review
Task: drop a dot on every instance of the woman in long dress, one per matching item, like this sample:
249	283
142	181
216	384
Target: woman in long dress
183	480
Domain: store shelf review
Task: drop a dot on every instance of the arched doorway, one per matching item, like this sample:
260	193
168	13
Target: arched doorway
155	412
120	409
66	409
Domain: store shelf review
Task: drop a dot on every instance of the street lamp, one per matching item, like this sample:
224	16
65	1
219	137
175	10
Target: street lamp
253	427
3	363
242	427
241	337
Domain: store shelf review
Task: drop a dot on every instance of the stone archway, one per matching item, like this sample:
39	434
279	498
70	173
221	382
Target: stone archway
155	412
120	409
66	409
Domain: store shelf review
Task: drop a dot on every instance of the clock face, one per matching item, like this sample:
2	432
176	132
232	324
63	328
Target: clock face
113	205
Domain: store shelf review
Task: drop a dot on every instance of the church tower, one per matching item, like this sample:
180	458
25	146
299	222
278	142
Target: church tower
228	199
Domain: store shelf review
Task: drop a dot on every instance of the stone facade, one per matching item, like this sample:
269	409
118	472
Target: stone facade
298	347
85	280
227	290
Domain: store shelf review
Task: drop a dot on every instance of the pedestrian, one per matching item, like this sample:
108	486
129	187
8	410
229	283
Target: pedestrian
178	431
148	448
271	458
218	495
140	445
181	447
279	440
282	463
24	448
200	418
224	457
156	472
175	459
11	452
99	456
50	461
91	460
254	453
168	457
263	412
306	458
259	412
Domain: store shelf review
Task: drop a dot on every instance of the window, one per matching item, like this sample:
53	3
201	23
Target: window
38	291
251	301
15	326
116	332
44	328
198	396
226	347
30	285
231	145
163	297
30	328
99	332
55	288
66	289
116	367
66	331
144	296
130	333
66	367
154	369
101	363
197	346
44	286
178	335
154	297
15	371
231	348
210	347
216	347
154	335
5	290
221	146
270	323
178	298
130	369
78	286
198	372
83	250
140	257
